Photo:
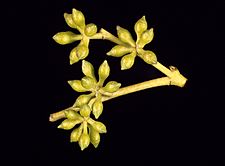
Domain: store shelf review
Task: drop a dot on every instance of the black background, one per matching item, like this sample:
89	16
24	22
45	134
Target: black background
166	124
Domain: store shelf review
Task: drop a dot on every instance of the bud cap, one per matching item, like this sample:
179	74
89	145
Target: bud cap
125	36
85	110
128	61
77	86
90	29
103	72
140	26
78	18
76	133
146	37
88	69
84	141
112	86
65	37
97	107
119	50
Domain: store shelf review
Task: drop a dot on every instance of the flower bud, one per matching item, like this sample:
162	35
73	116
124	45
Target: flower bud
78	18
66	37
149	57
68	124
73	56
128	61
145	38
82	51
97	108
71	114
84	141
77	86
76	133
94	136
88	82
69	20
119	50
112	86
103	72
90	29
140	26
85	110
88	69
125	36
98	126
83	99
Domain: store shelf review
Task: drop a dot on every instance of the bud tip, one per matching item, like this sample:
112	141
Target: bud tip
108	53
123	68
74	10
69	82
118	27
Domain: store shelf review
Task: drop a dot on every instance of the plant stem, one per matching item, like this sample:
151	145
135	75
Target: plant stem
105	35
59	115
173	73
138	87
174	78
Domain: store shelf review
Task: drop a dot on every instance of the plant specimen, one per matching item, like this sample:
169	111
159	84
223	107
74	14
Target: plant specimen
82	115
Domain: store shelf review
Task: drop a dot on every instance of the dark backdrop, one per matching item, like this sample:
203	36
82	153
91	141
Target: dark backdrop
166	124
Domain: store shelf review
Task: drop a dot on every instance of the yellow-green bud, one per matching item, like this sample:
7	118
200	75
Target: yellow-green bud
128	61
85	110
119	50
103	72
146	37
98	126
112	86
97	108
69	20
140	26
68	124
78	18
88	82
66	37
71	114
77	86
73	56
84	141
125	36
83	99
88	69
76	133
90	29
82	51
94	136
149	57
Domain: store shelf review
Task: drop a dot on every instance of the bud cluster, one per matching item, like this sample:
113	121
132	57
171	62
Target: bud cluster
89	130
130	49
76	20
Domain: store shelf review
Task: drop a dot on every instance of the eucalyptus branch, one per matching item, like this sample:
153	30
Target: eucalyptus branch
89	130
